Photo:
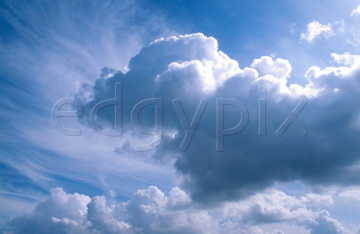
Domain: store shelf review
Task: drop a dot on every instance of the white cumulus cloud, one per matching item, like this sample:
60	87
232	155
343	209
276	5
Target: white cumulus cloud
148	211
316	29
191	67
151	211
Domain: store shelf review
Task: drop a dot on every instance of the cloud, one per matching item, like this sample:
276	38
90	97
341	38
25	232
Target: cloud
151	211
316	29
324	224
191	67
346	59
102	217
356	11
72	44
351	193
280	68
67	43
60	213
274	206
229	227
335	79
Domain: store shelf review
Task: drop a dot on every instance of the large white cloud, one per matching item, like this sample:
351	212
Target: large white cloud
191	67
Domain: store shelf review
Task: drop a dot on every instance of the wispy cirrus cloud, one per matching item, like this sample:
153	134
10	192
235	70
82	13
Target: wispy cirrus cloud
46	50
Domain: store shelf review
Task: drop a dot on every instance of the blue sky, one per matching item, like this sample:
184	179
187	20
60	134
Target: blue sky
299	52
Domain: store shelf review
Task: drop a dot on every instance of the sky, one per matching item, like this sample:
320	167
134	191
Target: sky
216	117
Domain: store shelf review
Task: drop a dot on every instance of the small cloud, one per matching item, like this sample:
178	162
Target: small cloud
356	11
351	193
112	193
279	68
346	59
316	29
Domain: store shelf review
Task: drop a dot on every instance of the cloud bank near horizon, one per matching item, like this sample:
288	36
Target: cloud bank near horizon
151	211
